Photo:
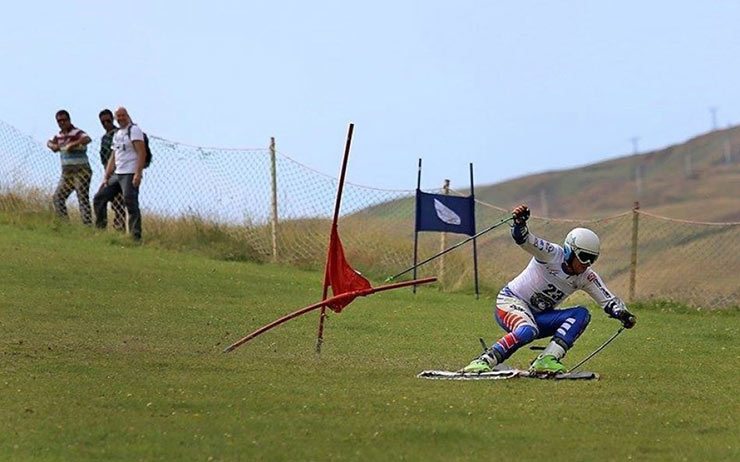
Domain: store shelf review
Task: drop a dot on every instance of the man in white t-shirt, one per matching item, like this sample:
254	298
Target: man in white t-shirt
123	173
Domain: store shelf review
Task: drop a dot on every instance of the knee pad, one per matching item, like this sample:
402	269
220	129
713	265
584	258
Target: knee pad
525	333
582	315
574	325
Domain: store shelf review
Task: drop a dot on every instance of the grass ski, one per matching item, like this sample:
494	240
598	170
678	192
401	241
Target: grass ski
453	375
500	373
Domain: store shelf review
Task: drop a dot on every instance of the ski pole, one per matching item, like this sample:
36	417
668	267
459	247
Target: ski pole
597	350
450	249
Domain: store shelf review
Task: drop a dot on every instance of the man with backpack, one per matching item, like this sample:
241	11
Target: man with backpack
129	157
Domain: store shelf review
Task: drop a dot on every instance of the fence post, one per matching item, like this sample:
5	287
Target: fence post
273	174
633	258
443	239
728	151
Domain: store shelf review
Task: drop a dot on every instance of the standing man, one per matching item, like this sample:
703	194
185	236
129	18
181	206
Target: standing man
123	173
106	120
525	307
71	144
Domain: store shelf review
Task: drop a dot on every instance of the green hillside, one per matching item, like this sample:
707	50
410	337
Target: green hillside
112	351
709	190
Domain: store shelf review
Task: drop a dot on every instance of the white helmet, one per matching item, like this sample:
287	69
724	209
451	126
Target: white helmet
584	244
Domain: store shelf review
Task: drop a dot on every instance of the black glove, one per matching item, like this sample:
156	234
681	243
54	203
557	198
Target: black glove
618	310
630	322
521	214
628	319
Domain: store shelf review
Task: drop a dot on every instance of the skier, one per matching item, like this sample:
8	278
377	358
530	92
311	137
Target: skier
525	307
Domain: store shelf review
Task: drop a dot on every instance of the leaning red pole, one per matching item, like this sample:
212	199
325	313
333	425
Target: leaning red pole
322	304
277	322
337	206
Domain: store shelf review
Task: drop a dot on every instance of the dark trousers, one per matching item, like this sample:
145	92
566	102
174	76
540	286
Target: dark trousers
119	184
74	179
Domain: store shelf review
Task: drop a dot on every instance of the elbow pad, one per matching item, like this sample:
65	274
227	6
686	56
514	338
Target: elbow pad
519	232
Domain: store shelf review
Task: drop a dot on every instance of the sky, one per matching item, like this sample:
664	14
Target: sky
513	87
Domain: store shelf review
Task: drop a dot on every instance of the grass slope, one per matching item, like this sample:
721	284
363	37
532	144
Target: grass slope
110	351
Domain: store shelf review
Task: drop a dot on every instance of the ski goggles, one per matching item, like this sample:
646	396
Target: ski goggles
585	257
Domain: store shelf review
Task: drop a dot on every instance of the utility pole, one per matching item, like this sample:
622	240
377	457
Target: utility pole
634	140
713	111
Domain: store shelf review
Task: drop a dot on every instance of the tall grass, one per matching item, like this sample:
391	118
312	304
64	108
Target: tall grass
186	234
686	263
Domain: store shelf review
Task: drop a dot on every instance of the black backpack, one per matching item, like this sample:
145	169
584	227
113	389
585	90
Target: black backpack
146	146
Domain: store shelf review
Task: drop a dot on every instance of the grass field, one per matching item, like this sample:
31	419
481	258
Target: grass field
111	351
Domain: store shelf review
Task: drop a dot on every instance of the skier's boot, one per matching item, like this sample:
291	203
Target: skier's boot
477	365
547	365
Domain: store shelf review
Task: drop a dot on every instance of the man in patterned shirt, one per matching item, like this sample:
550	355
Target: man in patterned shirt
119	211
525	307
71	144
